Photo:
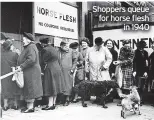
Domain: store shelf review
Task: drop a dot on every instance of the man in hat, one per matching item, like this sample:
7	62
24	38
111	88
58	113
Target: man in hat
140	67
98	60
29	64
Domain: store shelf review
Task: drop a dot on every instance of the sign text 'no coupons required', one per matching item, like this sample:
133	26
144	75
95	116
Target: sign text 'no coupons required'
57	19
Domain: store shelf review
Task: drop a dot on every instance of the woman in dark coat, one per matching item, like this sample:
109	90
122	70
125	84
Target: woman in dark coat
110	45
53	82
9	88
140	66
29	63
151	70
68	63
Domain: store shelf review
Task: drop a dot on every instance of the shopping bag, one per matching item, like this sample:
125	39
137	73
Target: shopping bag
19	78
119	75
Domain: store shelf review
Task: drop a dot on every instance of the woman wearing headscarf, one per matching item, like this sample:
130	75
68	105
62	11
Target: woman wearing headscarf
110	45
125	60
29	64
53	82
9	88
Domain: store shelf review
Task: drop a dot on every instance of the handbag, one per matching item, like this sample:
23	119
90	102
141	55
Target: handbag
19	78
119	75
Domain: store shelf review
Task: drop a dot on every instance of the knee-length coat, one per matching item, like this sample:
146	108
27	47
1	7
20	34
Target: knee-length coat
151	67
68	62
140	65
95	60
29	62
9	87
126	57
53	82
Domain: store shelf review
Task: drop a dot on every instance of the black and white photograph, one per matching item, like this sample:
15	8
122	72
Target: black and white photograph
77	60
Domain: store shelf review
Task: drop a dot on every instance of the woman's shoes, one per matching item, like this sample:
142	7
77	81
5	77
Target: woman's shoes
66	103
23	109
29	110
75	101
5	108
49	107
119	104
15	107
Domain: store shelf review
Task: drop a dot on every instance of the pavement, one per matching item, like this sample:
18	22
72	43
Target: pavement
76	112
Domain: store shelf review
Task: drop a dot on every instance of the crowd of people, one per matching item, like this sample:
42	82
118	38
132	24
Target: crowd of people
50	73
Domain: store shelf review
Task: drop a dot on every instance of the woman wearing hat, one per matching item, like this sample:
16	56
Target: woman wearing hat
125	60
9	88
98	60
68	64
29	64
53	82
140	67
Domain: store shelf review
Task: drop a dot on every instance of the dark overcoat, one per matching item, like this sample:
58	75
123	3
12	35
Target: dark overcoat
53	82
9	87
139	62
151	67
140	66
29	62
114	58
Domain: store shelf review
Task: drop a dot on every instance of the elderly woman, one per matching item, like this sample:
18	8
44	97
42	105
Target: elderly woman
125	60
151	70
9	88
29	64
110	45
68	62
98	60
53	82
